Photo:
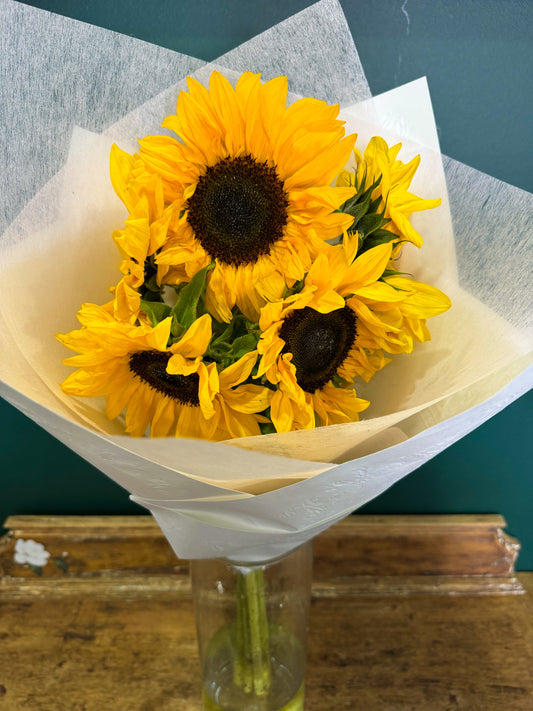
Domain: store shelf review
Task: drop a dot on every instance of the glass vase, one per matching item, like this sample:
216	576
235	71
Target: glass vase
252	622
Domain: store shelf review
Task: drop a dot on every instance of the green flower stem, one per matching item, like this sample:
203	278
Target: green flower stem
252	663
255	595
242	669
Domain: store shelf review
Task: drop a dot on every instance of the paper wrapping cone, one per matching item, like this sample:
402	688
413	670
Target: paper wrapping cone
260	496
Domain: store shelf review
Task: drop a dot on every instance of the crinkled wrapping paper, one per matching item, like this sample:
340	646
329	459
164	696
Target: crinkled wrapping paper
261	496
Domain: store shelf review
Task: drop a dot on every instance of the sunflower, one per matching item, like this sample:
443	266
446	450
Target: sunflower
248	181
171	388
334	302
406	319
143	234
391	178
350	311
391	309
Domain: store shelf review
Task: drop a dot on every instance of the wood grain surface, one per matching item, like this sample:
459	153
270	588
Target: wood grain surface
113	627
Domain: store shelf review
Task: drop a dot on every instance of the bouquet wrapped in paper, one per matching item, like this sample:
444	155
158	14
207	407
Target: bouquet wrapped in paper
277	260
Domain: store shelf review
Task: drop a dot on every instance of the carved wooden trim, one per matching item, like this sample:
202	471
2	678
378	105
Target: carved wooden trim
362	555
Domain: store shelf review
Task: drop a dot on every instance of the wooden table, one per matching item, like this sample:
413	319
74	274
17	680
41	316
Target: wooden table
421	612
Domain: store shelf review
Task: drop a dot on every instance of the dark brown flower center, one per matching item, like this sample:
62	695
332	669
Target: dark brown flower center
151	368
319	343
238	210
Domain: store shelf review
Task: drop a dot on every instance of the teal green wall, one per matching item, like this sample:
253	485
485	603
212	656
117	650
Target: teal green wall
477	55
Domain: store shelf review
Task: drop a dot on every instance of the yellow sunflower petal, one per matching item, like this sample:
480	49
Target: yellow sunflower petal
164	417
237	424
323	168
338	405
366	269
219	297
424	300
208	388
238	371
379	291
193	343
249	399
139	411
121	164
228	113
273	102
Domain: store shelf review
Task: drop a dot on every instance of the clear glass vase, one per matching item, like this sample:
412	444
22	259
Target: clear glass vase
252	622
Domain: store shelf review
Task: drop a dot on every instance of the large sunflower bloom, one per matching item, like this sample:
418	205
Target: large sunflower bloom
336	329
381	161
170	389
337	294
248	181
391	309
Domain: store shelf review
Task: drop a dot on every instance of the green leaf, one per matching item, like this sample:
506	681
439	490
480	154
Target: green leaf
155	310
385	233
219	353
375	205
376	183
221	343
267	428
358	212
244	344
378	237
152	296
371	222
151	284
222	332
349	205
176	330
187	309
36	569
289	291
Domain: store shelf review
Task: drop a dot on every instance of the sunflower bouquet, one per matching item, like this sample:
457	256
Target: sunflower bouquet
269	268
260	278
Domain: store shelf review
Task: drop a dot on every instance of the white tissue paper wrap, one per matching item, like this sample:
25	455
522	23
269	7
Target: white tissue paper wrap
257	497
